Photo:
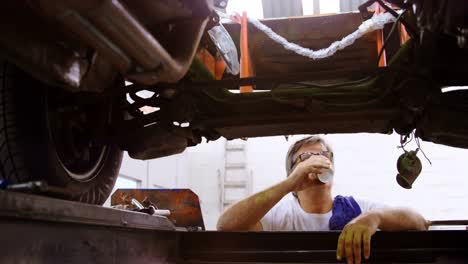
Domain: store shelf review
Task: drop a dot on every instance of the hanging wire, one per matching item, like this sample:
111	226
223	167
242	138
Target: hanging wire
404	140
412	136
419	147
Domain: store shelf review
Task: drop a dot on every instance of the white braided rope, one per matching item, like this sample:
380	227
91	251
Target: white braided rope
376	22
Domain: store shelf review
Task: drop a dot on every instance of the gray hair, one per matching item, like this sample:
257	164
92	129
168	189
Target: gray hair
291	156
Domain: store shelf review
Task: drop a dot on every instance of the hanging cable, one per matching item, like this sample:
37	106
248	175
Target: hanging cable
419	147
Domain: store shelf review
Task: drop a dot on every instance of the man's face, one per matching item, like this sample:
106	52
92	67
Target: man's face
311	149
314	151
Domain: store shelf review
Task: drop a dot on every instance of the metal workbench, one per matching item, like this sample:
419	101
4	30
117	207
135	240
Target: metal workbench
37	229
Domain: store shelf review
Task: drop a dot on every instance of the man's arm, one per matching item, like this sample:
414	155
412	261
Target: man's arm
245	215
400	219
359	231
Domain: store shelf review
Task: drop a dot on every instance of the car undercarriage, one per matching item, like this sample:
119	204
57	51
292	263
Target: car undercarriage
82	66
83	81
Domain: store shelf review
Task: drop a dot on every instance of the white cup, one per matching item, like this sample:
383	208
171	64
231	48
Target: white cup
326	176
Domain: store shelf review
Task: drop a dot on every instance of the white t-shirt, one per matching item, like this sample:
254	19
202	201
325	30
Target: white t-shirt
288	215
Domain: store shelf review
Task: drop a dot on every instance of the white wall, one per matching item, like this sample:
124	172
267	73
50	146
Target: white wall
365	167
197	168
206	163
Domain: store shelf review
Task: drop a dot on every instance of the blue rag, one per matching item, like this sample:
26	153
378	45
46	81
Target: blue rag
344	210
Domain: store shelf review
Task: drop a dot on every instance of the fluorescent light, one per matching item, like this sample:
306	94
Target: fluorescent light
453	88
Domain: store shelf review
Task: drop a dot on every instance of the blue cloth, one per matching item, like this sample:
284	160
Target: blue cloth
344	210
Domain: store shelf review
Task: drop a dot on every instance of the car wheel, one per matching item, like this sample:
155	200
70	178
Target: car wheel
42	138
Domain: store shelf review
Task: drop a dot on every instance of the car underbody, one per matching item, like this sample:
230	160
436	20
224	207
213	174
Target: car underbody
82	81
346	94
88	54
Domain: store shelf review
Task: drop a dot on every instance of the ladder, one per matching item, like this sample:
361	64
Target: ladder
236	181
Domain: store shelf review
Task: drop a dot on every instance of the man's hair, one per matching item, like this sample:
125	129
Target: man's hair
291	155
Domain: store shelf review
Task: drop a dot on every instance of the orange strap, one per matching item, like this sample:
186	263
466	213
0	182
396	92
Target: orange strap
404	35
220	67
246	70
215	65
380	40
207	59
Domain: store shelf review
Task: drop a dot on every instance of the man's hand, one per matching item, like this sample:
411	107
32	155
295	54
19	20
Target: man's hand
359	231
356	234
305	173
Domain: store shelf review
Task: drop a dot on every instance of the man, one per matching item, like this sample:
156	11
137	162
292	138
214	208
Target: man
314	209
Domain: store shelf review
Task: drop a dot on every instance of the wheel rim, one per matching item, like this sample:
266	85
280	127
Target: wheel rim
80	156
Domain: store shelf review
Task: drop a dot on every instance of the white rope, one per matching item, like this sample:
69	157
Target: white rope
376	22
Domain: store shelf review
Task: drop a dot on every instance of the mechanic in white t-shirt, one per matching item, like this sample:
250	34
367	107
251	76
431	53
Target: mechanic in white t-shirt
313	208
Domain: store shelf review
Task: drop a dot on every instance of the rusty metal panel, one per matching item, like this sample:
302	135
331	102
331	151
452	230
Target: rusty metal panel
37	229
271	59
183	204
40	208
315	33
281	8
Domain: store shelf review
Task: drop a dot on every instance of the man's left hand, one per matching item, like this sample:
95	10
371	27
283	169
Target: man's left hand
356	236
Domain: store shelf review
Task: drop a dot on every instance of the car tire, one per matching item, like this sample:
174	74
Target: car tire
29	150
